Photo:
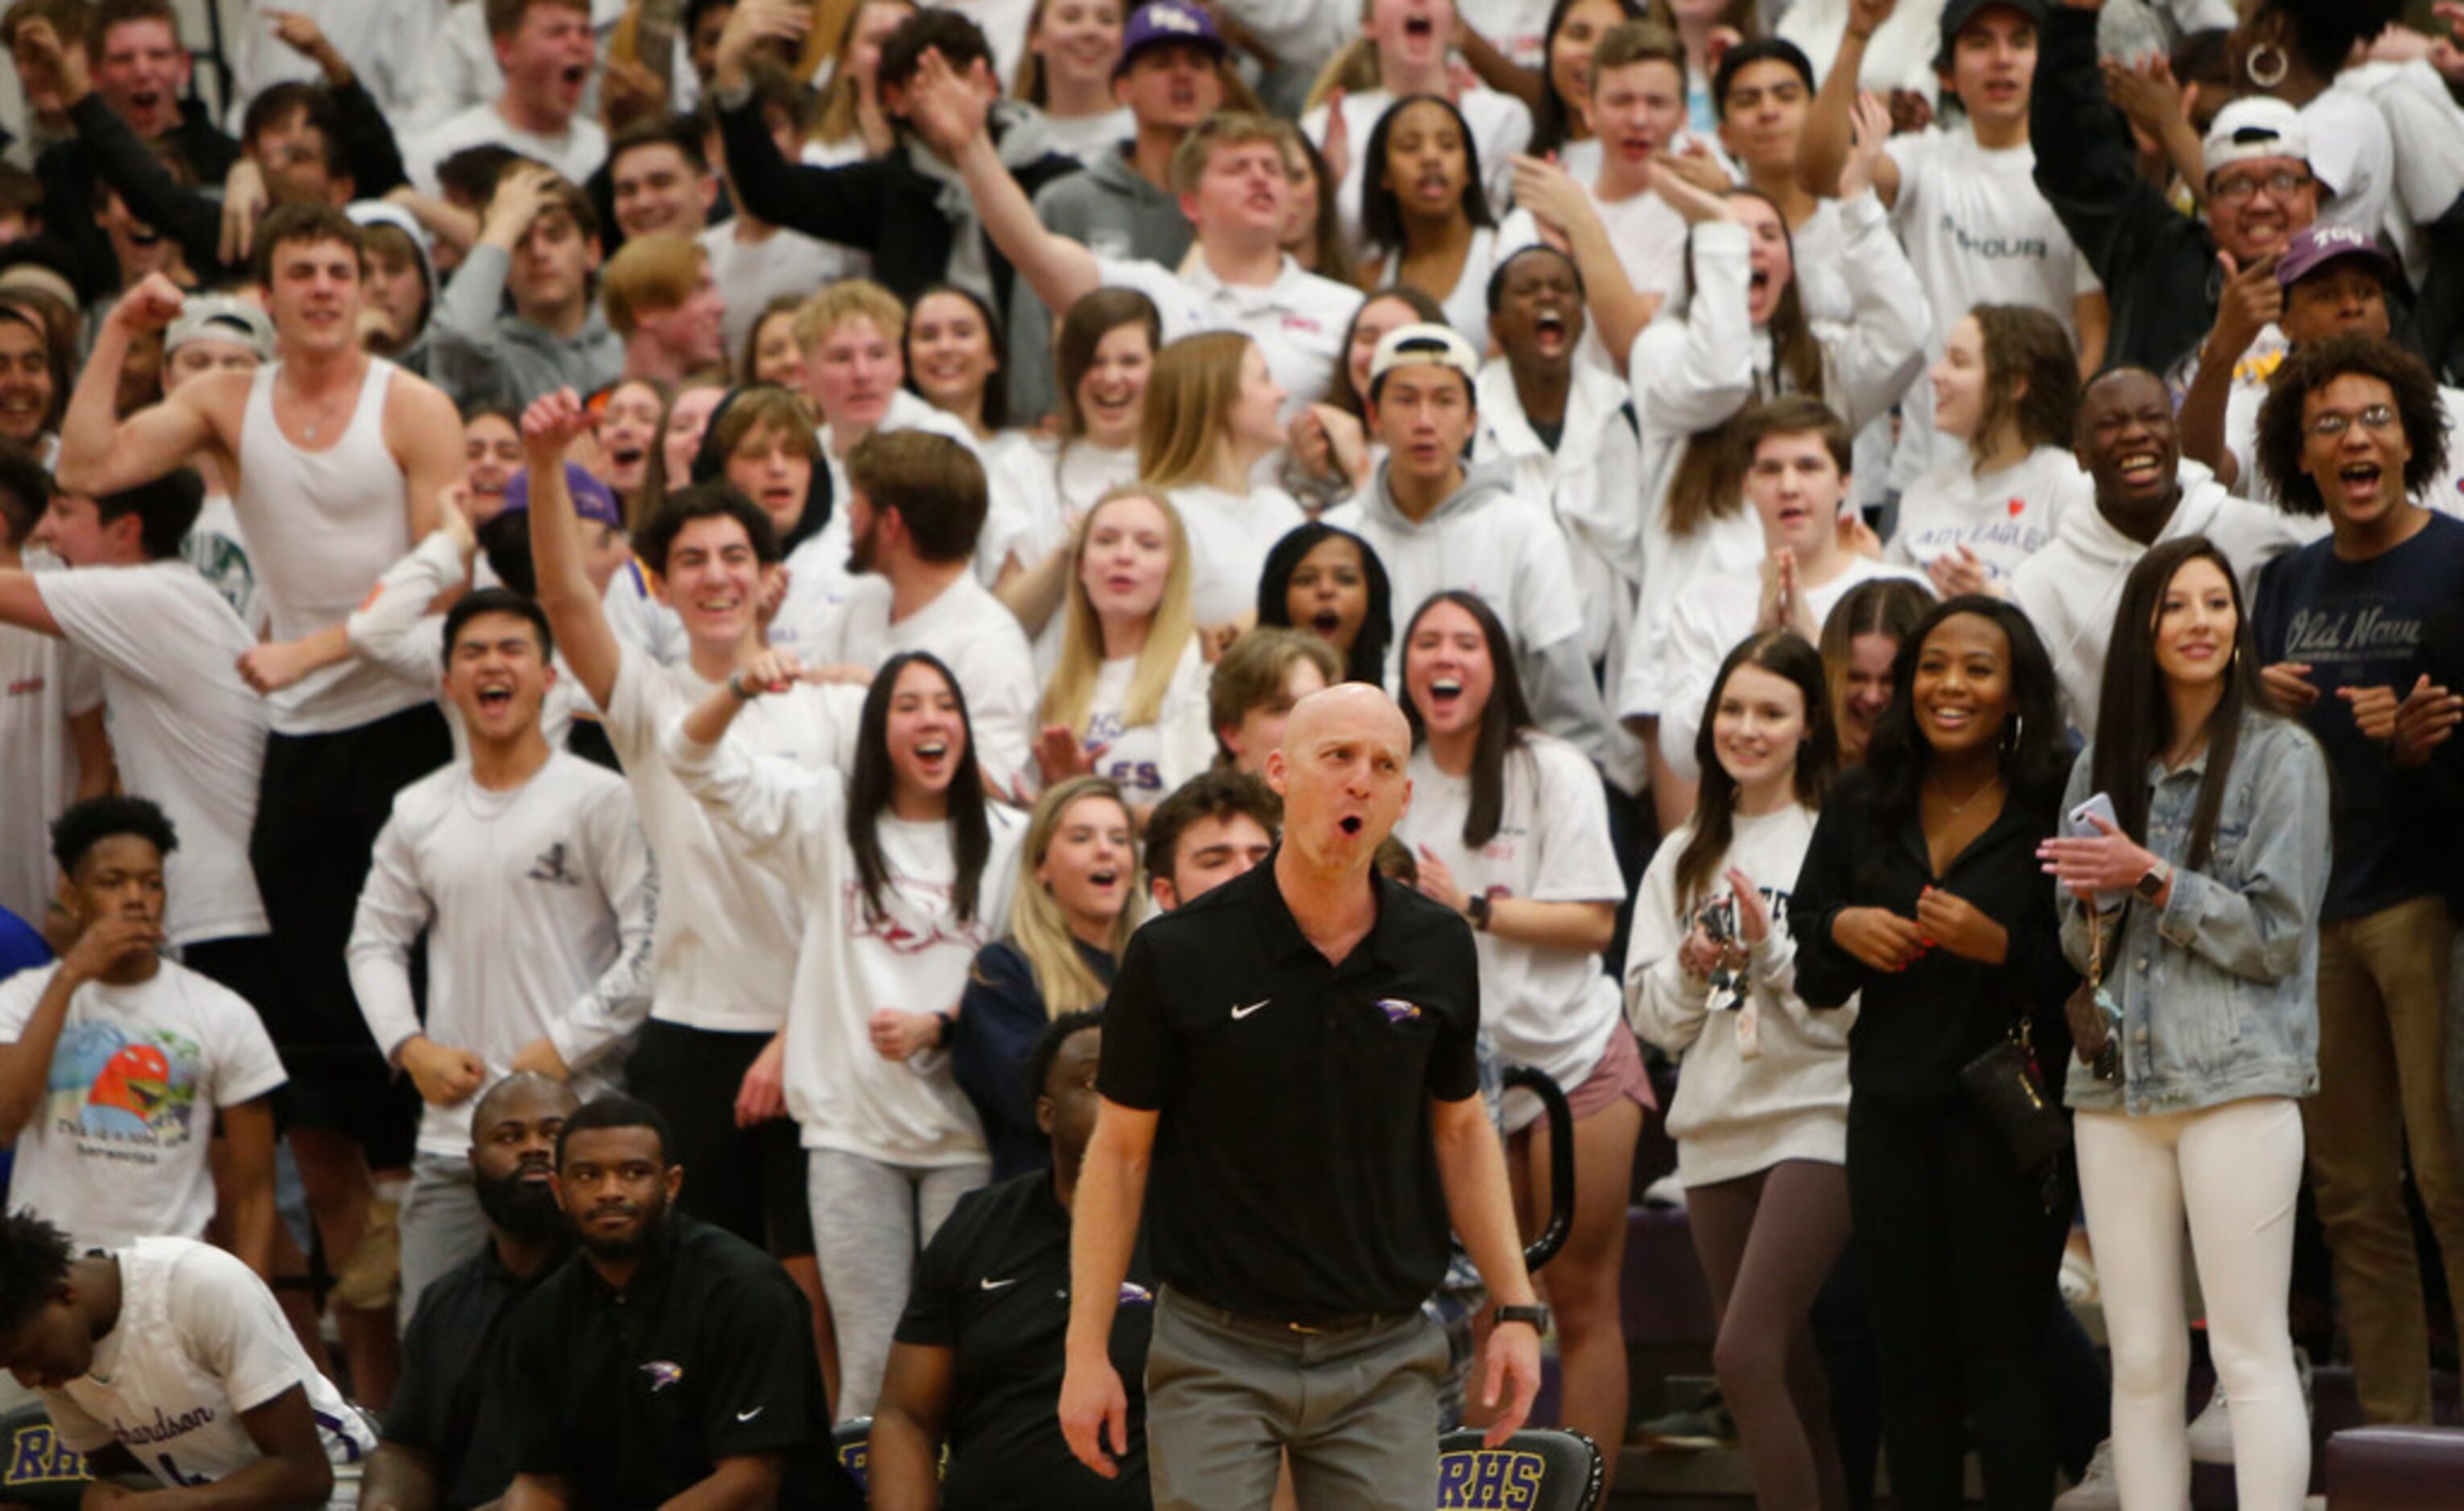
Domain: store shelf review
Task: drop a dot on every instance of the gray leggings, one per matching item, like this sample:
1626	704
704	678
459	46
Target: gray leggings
869	1221
1767	1242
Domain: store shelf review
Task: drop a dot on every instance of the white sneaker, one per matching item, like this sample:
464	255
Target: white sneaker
2211	1434
2097	1489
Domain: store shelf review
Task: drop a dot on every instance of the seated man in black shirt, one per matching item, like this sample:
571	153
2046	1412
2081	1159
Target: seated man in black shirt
979	1352
669	1359
449	1438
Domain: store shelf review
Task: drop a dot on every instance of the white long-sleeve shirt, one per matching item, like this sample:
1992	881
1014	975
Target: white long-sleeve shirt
1767	1081
842	1093
539	904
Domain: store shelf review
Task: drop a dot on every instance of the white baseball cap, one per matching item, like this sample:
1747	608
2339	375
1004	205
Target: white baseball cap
1408	346
2255	126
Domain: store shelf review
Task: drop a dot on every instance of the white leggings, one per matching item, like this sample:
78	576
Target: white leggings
2235	1171
869	1221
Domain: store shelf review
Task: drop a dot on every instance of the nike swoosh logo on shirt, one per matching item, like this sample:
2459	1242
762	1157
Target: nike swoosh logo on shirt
991	1284
1240	1013
746	1416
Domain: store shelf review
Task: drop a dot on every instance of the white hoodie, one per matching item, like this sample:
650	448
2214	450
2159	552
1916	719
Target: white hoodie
2070	589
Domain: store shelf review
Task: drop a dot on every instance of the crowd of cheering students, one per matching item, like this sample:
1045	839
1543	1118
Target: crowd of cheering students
730	553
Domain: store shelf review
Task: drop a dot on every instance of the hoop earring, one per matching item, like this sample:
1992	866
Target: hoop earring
2267	75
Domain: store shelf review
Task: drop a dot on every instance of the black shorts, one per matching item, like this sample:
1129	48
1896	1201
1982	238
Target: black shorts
750	1181
320	804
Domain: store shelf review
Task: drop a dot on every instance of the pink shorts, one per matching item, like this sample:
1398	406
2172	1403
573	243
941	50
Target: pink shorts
1618	1074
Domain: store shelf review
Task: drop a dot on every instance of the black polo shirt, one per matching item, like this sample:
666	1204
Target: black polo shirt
1294	1176
993	1286
451	1402
633	1396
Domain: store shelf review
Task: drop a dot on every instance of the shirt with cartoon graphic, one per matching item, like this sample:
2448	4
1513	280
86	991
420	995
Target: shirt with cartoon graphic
117	1148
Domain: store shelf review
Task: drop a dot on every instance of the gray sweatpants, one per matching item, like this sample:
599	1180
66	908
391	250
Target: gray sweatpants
869	1221
1356	1410
442	1225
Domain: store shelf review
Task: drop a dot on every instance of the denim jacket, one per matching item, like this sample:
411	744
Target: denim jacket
2218	990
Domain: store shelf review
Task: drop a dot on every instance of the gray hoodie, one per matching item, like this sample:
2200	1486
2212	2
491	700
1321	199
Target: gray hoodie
1488	540
482	352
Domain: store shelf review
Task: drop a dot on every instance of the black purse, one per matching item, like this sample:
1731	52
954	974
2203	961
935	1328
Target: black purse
2006	1086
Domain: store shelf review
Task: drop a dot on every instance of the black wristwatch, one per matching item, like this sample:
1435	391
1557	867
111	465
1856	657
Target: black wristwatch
2153	880
1476	909
1536	1315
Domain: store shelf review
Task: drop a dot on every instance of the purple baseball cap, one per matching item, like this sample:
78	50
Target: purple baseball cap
2313	247
591	499
1161	21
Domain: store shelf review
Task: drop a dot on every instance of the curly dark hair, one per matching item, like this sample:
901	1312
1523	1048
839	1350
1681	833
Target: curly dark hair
87	823
34	1261
2283	430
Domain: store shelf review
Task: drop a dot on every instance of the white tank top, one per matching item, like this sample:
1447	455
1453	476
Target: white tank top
321	526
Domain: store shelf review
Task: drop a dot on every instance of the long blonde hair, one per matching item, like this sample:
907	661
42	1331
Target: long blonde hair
1190	394
1036	924
1169	632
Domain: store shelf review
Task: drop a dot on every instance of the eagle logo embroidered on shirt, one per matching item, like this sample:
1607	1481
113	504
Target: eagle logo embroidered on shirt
550	866
1398	1011
1133	1294
663	1374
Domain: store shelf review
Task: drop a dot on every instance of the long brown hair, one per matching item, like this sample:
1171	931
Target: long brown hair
1784	654
1195	382
2134	717
2031	379
1709	480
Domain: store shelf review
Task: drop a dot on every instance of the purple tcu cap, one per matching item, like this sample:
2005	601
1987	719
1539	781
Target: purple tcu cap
1162	21
591	499
2313	247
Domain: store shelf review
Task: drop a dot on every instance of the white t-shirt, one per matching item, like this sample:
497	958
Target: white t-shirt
1089	138
1229	537
575	152
915	957
42	684
219	552
1149	760
115	1149
1553	1009
2004	518
751	273
537	907
725	944
1516	28
200	1342
973	634
1500	124
185	731
1705	622
1977	231
1466	304
1298	320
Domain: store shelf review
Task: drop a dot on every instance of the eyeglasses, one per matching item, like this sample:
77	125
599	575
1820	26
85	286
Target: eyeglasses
2335	422
2282	184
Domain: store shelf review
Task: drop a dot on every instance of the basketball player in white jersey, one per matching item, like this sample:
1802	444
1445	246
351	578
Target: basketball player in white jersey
342	461
169	1356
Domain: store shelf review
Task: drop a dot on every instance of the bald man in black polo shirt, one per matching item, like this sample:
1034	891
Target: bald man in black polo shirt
1291	1057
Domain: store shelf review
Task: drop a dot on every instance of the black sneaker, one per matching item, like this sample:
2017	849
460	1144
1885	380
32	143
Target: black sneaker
1704	1425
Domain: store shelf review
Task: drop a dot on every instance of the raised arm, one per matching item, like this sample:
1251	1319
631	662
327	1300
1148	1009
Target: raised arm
950	116
842	203
1869	362
573	608
787	821
1823	150
102	453
1691	375
1617	310
2251	301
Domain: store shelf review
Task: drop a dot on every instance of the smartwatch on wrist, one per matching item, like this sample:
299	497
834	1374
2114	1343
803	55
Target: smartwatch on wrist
2153	880
1476	909
1536	1315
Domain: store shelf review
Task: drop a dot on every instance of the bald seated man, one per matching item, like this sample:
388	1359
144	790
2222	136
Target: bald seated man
449	1436
1290	1057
